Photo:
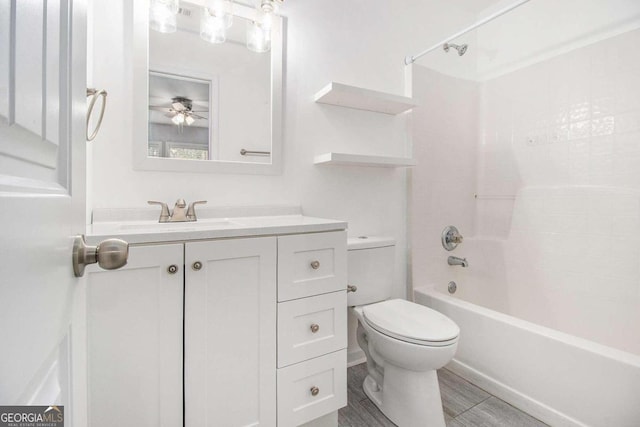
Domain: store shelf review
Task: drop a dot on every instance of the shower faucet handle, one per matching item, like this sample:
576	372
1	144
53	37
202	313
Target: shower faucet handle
451	238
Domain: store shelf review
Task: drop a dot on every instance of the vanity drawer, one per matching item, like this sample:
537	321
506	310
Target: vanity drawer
311	389
311	264
311	327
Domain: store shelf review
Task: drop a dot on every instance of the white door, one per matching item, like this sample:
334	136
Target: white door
42	201
230	333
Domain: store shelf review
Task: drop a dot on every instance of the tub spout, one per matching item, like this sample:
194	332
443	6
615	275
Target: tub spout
454	260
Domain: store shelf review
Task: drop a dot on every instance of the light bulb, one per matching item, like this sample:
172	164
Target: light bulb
189	120
162	15
221	9
212	29
178	119
258	37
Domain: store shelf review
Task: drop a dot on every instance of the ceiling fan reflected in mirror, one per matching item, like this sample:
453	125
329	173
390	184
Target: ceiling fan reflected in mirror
181	111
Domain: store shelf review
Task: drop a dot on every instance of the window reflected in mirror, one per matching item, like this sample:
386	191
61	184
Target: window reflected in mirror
179	117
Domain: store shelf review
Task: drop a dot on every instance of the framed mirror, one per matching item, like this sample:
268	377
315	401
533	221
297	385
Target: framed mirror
207	107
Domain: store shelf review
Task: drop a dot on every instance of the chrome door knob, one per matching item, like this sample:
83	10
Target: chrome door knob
314	391
110	254
196	265
315	328
352	288
315	265
172	269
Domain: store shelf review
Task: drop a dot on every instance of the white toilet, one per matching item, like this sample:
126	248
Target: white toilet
404	342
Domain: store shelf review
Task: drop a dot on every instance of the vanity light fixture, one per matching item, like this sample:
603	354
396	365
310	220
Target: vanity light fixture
259	31
217	17
162	15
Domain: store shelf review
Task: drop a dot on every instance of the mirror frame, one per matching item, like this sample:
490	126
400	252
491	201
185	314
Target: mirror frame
140	101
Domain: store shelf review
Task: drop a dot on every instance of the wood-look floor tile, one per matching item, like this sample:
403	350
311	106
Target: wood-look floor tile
447	419
355	377
458	395
494	412
355	414
371	407
465	405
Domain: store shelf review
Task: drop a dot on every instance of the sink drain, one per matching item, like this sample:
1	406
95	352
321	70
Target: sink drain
452	287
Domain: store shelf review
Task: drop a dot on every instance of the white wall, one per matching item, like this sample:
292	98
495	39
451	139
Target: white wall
355	42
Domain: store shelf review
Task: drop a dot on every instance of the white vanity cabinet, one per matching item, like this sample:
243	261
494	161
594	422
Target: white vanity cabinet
260	322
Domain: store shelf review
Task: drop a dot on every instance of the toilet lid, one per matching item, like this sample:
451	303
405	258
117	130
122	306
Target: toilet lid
411	322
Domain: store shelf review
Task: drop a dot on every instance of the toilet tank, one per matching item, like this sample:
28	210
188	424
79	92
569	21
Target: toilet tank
370	266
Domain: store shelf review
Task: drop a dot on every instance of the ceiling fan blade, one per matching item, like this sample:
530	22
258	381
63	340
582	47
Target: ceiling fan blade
198	117
158	108
170	114
159	100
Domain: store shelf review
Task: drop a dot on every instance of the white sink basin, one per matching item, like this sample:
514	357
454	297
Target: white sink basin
202	224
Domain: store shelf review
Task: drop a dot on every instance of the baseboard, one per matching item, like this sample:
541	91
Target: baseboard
355	357
513	397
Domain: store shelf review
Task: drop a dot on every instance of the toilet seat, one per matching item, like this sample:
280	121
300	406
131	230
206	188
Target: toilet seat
411	322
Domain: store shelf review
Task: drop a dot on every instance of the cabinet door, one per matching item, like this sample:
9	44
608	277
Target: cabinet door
230	333
135	340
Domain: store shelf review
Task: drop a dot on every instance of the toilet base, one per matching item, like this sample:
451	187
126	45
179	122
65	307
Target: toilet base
408	398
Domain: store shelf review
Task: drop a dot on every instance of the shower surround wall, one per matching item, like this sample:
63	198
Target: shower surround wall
563	136
552	153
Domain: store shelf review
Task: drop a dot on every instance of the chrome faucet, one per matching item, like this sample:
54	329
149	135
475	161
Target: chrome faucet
180	213
454	260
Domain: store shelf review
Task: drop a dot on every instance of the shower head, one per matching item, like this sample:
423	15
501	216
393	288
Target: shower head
462	49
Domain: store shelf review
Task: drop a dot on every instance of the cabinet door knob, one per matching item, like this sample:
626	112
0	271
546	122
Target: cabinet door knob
315	328
315	265
314	391
352	288
172	269
197	265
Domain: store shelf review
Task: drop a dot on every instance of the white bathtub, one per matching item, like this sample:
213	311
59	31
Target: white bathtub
558	378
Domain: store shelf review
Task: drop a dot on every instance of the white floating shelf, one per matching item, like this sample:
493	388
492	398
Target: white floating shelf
361	160
363	99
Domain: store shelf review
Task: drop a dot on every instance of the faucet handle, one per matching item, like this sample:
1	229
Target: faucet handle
191	211
164	213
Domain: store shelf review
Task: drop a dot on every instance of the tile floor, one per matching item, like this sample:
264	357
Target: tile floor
464	404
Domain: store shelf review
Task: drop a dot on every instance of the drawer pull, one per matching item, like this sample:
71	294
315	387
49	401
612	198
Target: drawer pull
197	265
352	288
172	269
315	265
315	328
314	391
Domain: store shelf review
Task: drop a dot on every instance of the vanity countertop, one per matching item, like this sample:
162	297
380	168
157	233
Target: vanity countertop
150	231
